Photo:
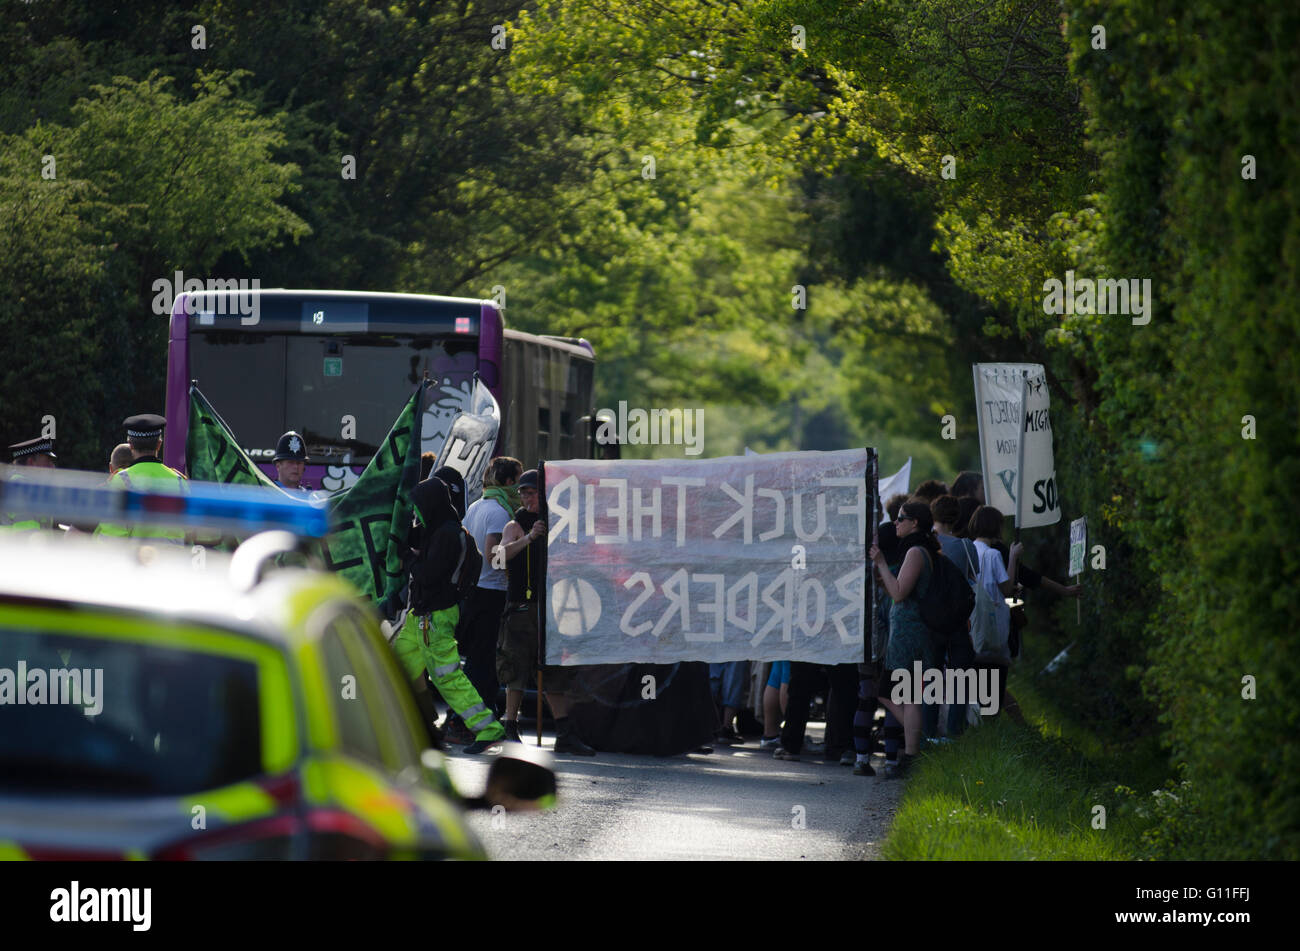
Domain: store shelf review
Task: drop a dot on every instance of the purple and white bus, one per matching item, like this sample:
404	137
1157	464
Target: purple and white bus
330	364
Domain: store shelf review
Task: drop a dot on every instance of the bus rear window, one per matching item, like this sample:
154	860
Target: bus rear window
265	384
166	721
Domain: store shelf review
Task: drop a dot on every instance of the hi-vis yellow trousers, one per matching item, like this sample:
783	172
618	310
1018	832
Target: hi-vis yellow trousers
429	643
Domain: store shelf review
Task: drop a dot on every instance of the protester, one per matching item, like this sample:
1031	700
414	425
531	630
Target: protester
909	636
455	483
966	506
776	696
427	640
994	578
894	503
968	485
929	490
486	520
875	678
727	682
864	717
959	653
840	683
522	545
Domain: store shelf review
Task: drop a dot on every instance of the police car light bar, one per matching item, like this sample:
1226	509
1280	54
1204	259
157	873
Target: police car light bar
83	498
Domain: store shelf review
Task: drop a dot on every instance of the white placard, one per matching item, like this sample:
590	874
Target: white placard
1039	504
999	390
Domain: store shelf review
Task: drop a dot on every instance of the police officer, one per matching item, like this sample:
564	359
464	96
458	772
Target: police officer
31	454
290	462
144	434
34	453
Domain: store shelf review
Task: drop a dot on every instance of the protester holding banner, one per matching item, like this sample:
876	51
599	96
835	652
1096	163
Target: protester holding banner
517	641
840	682
909	636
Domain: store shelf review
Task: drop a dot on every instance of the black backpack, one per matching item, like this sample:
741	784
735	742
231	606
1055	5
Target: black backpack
426	590
949	600
465	577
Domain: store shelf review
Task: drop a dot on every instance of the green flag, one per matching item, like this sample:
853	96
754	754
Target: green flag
212	454
373	516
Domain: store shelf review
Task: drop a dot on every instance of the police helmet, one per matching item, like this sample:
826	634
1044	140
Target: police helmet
290	446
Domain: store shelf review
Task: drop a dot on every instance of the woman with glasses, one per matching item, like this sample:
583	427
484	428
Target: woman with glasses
909	636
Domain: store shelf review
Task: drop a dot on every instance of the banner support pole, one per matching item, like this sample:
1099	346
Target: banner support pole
539	707
869	575
1020	450
979	426
541	595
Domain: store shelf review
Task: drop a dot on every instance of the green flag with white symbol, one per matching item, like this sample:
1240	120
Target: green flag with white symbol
373	516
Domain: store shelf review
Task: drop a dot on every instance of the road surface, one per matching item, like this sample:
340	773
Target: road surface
737	803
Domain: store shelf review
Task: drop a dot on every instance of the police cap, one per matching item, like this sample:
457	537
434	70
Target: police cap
145	426
31	447
290	446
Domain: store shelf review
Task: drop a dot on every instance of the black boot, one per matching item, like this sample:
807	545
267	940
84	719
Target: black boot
566	741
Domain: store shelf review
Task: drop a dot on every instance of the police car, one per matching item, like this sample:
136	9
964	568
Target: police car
162	701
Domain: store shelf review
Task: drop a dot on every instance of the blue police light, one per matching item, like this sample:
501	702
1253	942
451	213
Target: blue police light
83	498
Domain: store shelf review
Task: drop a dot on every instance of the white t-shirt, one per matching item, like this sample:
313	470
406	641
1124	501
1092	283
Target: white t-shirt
992	573
487	517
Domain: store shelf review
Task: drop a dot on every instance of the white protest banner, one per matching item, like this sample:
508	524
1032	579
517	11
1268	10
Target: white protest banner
1038	501
739	558
998	392
892	485
468	447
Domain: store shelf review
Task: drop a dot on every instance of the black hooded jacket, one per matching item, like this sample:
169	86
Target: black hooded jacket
455	483
438	548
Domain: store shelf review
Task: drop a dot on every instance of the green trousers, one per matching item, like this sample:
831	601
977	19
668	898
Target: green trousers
429	643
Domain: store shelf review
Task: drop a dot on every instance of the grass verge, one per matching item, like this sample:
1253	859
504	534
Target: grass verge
1007	791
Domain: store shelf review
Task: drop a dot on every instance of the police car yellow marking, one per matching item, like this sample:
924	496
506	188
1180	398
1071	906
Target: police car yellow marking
320	718
235	803
356	789
279	726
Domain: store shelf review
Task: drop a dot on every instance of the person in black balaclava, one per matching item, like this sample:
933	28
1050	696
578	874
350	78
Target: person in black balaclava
455	483
427	640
